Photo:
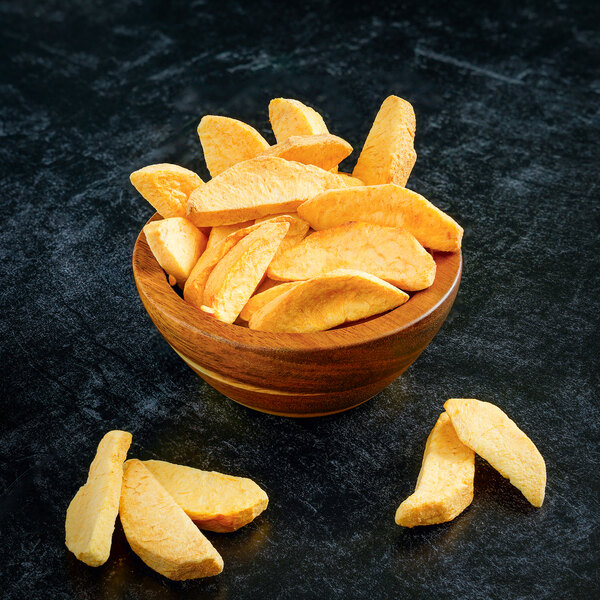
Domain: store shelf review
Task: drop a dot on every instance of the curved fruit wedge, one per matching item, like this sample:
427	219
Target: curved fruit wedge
489	432
445	484
176	245
326	301
259	300
238	273
158	530
92	513
258	187
392	254
167	187
220	232
325	150
290	117
212	500
387	204
388	155
226	142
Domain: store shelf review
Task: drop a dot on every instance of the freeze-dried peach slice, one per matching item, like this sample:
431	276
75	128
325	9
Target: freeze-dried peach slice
220	232
387	204
324	150
238	273
388	155
257	301
258	187
214	501
392	254
326	301
489	432
445	483
193	292
296	233
290	117
167	187
226	142
176	245
159	531
92	513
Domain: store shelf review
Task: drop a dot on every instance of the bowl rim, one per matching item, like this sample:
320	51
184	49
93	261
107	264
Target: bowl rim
153	287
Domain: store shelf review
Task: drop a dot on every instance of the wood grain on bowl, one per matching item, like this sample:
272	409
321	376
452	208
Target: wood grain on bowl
297	374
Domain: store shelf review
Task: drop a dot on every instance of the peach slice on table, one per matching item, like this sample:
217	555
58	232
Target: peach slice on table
324	150
91	515
445	483
489	432
159	531
236	276
214	501
226	142
386	204
220	232
326	301
291	117
388	155
166	187
258	187
392	254
193	292
176	244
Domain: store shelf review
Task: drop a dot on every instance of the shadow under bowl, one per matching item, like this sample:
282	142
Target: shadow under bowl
297	374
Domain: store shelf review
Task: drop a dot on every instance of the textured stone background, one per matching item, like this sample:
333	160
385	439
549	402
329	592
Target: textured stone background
507	137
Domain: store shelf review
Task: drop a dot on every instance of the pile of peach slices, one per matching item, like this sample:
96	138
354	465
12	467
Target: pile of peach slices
282	241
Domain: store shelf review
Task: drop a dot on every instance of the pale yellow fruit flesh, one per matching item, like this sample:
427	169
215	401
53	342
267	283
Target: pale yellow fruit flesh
392	254
92	513
176	244
238	273
489	432
445	484
220	232
388	155
259	300
326	301
159	531
291	117
214	501
258	187
387	204
166	187
226	142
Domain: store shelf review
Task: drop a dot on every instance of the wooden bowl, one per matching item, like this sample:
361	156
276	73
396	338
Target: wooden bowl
297	374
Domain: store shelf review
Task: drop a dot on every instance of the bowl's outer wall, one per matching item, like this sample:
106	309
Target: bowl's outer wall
297	373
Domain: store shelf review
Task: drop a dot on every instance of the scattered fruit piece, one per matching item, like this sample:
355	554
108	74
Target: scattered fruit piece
92	513
290	117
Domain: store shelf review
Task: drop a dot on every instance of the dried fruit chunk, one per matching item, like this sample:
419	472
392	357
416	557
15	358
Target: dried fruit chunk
259	300
296	233
326	301
212	500
167	187
489	432
193	292
258	187
290	117
158	530
389	253
176	245
387	204
220	232
92	513
238	273
226	142
324	150
445	483
388	155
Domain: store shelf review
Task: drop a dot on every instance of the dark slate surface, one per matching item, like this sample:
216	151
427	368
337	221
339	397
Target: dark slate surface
508	128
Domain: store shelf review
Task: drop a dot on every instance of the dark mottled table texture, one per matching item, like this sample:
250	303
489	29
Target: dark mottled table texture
508	126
